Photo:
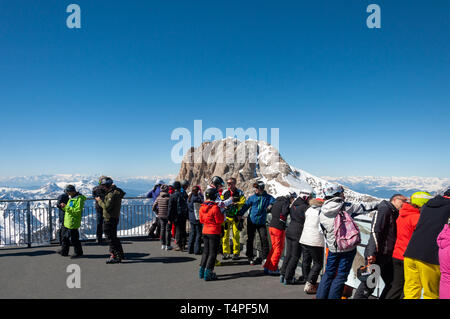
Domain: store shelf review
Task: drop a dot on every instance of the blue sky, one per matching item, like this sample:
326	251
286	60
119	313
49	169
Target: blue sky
348	100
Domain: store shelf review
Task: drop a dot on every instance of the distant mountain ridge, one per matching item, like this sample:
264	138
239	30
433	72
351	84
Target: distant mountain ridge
50	186
384	187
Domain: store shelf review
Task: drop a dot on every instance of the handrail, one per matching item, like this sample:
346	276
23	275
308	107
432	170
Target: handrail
52	199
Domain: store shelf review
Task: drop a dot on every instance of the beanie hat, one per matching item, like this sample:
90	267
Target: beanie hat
447	193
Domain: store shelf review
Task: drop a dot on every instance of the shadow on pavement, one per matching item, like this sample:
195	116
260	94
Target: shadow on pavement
29	253
164	260
234	263
251	273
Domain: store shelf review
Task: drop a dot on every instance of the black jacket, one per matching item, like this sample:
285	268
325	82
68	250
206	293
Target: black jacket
178	209
433	217
194	199
280	212
383	232
297	213
63	198
98	191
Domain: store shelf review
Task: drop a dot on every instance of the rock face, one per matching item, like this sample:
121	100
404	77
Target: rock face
248	162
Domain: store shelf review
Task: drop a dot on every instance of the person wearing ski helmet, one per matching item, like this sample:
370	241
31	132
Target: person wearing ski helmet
406	224
258	205
233	220
111	205
339	261
72	222
277	231
421	261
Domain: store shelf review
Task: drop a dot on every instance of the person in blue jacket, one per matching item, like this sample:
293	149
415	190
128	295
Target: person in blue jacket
259	204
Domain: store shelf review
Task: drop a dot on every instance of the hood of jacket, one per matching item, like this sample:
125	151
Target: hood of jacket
299	201
118	190
408	210
332	207
443	239
438	201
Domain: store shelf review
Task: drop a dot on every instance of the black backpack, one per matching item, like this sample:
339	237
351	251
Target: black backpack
182	207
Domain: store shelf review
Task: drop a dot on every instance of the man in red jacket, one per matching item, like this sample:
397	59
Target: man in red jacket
212	218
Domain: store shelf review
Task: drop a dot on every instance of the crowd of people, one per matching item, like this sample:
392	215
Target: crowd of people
409	237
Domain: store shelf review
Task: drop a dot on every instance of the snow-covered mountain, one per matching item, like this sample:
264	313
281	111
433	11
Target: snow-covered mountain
248	162
384	187
50	186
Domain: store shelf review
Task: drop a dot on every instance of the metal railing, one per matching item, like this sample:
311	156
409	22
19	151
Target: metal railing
37	222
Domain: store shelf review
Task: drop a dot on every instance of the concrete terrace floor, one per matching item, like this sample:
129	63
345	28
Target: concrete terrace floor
148	273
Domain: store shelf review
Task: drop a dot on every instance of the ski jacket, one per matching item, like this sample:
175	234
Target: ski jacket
258	207
383	233
422	245
212	218
406	224
191	201
280	212
112	203
73	211
297	213
328	213
154	193
311	235
161	205
443	242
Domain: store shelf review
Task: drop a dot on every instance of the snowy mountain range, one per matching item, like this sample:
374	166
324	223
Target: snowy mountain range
385	187
51	186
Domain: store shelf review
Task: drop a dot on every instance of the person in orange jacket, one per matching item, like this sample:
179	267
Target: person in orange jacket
212	218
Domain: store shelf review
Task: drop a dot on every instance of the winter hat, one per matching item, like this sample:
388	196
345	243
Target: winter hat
420	198
70	188
447	193
164	188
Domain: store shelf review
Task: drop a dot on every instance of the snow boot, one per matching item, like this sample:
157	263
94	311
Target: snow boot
201	273
210	275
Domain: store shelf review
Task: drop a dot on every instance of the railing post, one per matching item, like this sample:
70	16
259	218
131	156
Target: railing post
50	220
29	224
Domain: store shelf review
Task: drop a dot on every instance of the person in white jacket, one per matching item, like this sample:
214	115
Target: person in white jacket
313	243
339	262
